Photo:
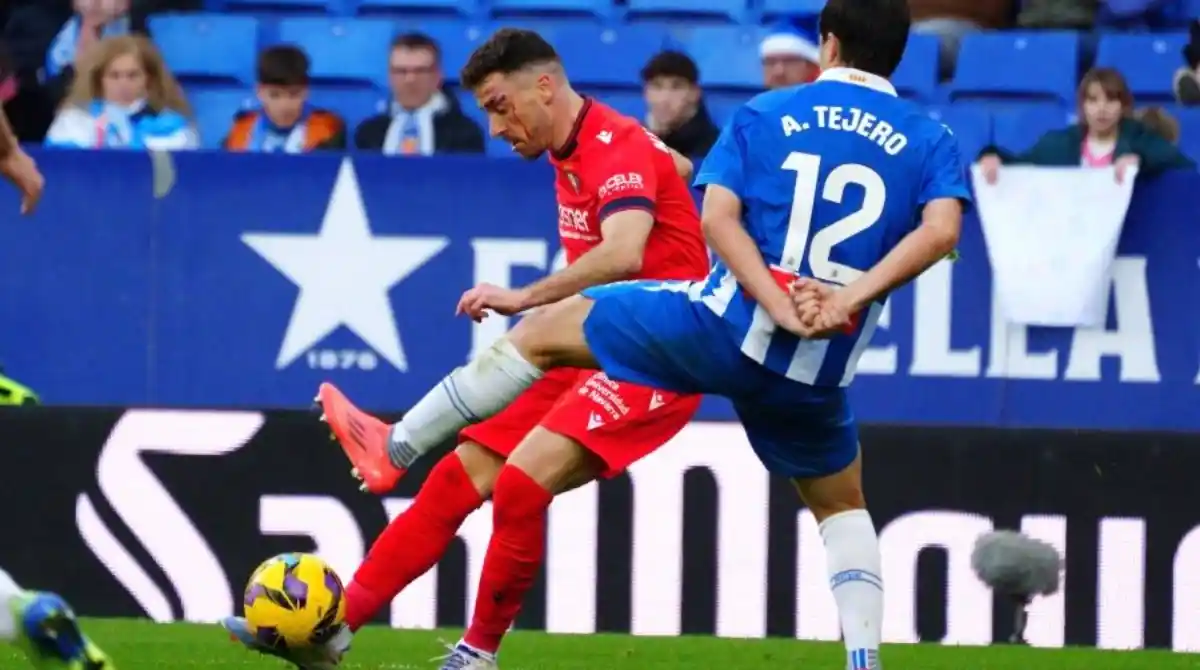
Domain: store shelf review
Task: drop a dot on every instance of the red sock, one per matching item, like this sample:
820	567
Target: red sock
413	542
514	555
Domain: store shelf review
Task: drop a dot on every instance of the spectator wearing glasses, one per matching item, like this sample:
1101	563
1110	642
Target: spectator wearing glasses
422	119
124	98
285	123
671	85
790	55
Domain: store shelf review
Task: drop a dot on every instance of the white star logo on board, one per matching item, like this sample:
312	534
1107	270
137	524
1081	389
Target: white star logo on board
344	275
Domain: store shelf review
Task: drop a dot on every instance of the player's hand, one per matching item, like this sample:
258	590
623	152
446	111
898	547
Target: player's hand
990	166
18	167
1123	164
822	311
476	302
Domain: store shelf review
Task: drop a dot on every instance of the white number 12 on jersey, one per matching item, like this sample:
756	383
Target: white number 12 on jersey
807	168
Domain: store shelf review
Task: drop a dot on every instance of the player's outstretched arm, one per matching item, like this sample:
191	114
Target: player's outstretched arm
17	167
933	240
8	139
722	223
618	256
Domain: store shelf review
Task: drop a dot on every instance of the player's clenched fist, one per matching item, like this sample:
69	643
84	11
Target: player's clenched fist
822	310
475	302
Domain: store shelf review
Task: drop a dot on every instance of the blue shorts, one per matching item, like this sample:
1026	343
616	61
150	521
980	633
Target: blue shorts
652	333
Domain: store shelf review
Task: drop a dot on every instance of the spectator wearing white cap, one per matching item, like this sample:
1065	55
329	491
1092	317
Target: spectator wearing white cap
790	55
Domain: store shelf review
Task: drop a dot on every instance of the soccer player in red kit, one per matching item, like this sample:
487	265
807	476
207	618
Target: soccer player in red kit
624	212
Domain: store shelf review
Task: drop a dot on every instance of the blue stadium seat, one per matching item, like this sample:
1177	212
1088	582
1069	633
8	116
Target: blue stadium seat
464	7
733	10
722	105
971	125
598	56
1019	127
342	50
791	7
353	105
1148	61
1189	129
629	102
917	75
333	7
208	47
457	40
1018	65
598	8
727	56
214	110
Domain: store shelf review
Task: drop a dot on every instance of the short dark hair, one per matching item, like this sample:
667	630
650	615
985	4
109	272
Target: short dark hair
671	64
872	33
283	65
509	50
418	41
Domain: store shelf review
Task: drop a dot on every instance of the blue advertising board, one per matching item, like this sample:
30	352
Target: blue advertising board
257	277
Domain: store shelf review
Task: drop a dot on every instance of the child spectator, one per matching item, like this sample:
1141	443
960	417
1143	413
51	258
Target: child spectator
671	85
124	98
285	122
1106	135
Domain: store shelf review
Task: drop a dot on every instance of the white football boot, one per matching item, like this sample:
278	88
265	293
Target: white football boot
462	657
324	656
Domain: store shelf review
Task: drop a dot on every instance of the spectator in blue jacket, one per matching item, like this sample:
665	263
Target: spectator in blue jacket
1107	134
124	98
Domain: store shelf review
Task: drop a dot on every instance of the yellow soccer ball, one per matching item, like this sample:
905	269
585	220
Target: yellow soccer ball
294	601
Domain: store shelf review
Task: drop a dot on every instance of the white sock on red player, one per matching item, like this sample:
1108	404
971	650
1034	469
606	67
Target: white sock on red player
855	567
468	395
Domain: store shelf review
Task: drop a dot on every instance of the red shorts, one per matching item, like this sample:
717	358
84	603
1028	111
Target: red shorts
618	422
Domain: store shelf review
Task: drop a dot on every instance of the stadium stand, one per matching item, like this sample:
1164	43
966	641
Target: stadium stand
1008	87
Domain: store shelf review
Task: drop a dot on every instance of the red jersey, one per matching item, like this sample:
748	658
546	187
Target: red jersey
612	164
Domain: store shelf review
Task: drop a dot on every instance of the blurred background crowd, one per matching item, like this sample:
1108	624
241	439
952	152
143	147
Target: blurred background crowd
380	75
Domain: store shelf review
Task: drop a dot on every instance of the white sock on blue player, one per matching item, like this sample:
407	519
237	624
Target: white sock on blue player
468	395
855	574
8	620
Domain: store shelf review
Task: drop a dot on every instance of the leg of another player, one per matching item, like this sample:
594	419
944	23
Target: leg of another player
852	557
43	626
416	539
544	465
549	338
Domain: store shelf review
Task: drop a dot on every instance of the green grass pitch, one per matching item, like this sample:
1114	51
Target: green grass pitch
140	645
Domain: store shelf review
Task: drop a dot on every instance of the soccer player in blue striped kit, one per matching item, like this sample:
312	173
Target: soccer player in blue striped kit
820	200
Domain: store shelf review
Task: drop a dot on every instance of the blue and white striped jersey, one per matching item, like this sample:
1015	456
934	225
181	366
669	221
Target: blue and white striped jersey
831	175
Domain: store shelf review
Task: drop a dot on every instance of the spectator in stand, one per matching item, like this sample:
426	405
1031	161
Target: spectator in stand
285	122
950	20
1107	135
671	85
1187	78
1058	14
423	119
1160	121
46	39
124	98
789	54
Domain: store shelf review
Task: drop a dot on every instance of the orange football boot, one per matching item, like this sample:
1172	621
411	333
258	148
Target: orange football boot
363	437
